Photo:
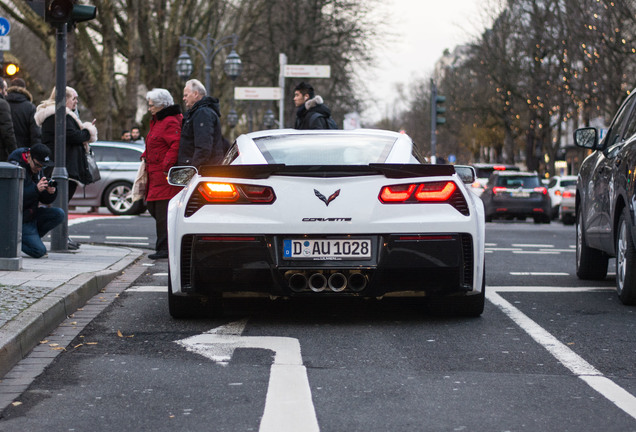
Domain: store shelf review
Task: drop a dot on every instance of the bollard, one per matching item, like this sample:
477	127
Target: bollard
11	180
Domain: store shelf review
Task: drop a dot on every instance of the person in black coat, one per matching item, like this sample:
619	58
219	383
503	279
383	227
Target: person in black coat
78	135
7	137
27	132
312	113
36	221
201	140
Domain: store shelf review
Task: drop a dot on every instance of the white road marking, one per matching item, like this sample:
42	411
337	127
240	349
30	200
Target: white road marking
576	364
128	243
546	289
558	250
491	244
148	288
160	274
288	404
539	274
533	245
84	237
503	249
536	252
125	238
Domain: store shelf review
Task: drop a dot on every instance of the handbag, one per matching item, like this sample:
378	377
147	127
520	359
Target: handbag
91	170
141	182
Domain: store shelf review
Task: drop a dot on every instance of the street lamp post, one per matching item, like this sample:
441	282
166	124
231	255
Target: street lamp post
209	48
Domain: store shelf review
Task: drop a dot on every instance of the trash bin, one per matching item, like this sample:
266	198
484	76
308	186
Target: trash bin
11	179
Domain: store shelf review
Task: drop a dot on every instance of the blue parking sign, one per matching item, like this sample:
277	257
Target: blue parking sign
5	26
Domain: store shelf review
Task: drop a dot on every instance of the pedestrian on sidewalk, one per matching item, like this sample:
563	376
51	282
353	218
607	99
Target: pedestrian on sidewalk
201	139
36	221
27	132
311	112
162	149
7	136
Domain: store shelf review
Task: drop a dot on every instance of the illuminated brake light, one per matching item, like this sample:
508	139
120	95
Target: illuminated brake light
541	189
219	192
568	194
438	191
498	189
398	193
557	192
499	167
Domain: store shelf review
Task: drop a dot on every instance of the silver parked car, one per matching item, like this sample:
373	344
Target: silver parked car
118	164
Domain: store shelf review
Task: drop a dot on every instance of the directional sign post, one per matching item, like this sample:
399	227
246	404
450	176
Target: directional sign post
256	93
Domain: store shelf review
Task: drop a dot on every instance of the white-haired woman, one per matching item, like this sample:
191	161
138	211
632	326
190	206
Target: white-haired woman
162	149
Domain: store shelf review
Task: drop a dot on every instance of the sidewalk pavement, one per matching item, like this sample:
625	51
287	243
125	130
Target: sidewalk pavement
36	299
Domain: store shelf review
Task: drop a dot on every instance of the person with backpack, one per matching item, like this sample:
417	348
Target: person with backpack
311	111
201	139
162	148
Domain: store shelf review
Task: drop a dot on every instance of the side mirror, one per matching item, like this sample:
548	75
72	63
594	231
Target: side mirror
181	175
466	173
586	137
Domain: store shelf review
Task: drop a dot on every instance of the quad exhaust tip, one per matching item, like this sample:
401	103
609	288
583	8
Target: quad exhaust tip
317	282
354	281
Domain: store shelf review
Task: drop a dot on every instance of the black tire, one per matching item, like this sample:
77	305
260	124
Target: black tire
625	261
118	201
471	306
591	264
568	219
184	307
488	218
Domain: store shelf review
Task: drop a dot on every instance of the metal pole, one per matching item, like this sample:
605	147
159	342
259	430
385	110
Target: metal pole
433	123
207	58
282	59
59	236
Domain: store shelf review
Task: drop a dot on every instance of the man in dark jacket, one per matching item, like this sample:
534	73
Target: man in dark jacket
27	132
201	141
312	113
7	136
36	221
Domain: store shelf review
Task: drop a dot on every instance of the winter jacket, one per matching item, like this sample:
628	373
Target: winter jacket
31	197
77	133
7	137
200	131
27	132
312	114
162	149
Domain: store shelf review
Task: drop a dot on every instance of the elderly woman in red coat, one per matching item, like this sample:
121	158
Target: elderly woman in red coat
162	148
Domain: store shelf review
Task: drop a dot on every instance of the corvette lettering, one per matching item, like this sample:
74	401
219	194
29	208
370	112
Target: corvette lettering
326	219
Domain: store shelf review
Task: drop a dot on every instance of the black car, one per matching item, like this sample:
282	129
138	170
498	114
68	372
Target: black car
605	202
518	195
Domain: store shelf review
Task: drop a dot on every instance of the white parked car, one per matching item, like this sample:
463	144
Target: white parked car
556	186
324	213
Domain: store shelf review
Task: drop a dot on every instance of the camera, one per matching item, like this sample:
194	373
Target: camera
52	183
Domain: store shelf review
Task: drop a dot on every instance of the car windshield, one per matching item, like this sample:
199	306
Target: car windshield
518	182
333	149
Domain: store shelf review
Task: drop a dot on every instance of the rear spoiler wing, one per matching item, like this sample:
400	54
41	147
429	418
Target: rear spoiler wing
179	176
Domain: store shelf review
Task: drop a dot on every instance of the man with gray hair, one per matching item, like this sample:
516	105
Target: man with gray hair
201	140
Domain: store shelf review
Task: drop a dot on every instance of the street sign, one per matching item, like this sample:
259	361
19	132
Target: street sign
307	71
5	43
5	26
257	93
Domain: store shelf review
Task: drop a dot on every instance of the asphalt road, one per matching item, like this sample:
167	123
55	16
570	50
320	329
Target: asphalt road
550	353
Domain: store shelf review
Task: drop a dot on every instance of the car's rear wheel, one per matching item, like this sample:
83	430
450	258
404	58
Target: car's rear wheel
590	263
467	306
567	219
118	199
625	261
183	307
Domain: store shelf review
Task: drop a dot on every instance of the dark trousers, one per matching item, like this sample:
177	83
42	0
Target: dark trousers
46	218
159	211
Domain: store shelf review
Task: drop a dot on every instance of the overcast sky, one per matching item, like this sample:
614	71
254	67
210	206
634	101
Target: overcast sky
423	30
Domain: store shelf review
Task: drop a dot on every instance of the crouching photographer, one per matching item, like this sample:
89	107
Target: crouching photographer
36	221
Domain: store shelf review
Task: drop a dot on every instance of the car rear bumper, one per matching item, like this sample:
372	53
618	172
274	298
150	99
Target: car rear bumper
514	208
416	264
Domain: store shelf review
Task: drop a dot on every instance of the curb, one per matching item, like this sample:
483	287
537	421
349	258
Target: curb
23	333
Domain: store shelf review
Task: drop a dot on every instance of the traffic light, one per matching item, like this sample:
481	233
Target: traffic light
440	119
66	11
10	69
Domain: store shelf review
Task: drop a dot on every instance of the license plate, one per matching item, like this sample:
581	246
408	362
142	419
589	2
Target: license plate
519	194
327	249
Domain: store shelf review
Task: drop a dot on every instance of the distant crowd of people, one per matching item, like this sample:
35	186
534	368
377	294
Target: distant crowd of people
27	139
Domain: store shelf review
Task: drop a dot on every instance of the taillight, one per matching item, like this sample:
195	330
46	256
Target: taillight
214	192
219	192
476	184
498	189
499	167
568	194
557	192
541	189
422	192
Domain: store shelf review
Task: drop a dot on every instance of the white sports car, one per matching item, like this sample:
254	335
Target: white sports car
295	213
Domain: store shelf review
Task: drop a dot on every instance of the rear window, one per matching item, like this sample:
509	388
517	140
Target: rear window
315	150
518	182
566	183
